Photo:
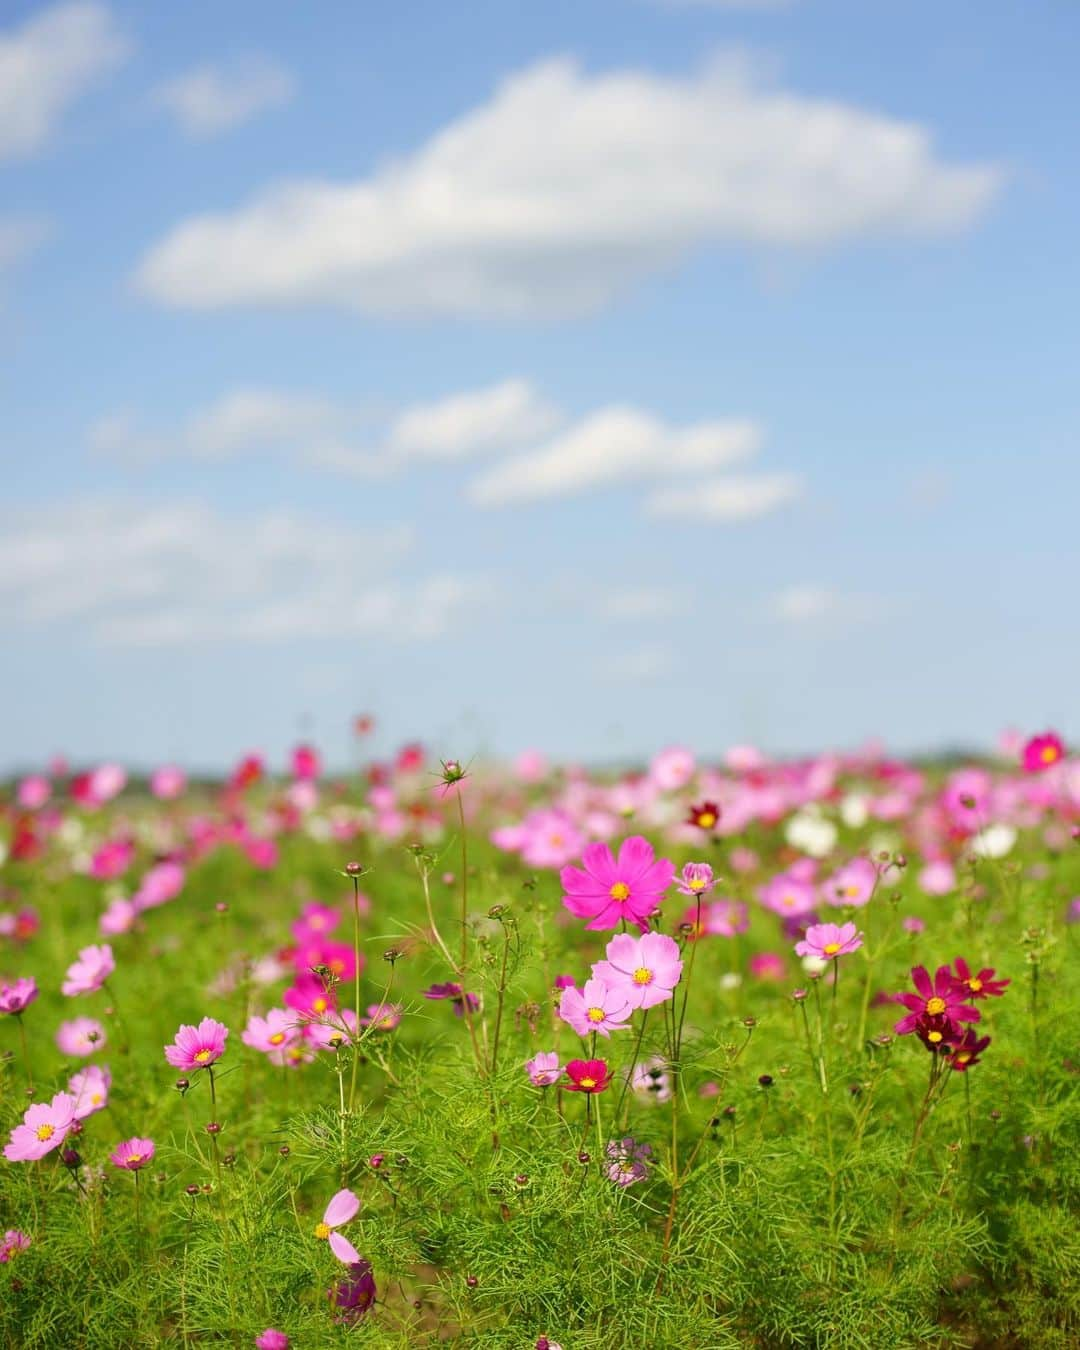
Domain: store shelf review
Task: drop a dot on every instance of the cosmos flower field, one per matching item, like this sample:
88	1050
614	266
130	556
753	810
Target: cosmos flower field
708	1054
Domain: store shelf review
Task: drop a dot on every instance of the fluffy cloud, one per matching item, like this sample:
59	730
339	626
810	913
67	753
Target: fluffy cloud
804	603
210	100
46	64
727	500
565	188
613	445
310	429
161	575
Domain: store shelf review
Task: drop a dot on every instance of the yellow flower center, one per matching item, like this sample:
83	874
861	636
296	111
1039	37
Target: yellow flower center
319	1005
934	1036
831	948
587	1082
974	984
595	1014
961	1057
322	1231
706	820
556	841
787	901
620	891
45	1132
96	1099
696	883
337	965
1048	754
202	1056
133	1158
277	1038
935	1006
642	975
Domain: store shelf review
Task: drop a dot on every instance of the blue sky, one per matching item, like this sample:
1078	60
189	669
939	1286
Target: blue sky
594	375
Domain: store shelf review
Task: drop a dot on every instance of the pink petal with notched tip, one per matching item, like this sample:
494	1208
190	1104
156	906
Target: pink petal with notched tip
343	1249
342	1207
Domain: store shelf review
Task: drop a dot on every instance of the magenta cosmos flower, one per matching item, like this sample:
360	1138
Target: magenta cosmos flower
852	885
89	972
133	1154
1042	751
343	1208
44	1127
939	997
597	1007
966	1051
271	1339
17	996
543	1069
14	1242
829	940
645	970
198	1047
980	985
605	890
587	1075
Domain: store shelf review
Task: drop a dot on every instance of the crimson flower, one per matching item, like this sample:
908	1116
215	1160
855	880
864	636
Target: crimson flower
940	997
982	985
587	1075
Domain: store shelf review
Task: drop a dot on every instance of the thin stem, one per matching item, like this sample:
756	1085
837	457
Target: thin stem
633	1064
25	1053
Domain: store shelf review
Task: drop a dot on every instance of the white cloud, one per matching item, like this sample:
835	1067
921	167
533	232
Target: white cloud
210	100
46	64
311	429
503	417
565	188
638	665
637	603
160	575
613	445
727	499
808	604
804	603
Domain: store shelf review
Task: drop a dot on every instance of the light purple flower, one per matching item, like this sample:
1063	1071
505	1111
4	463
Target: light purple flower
90	971
343	1208
544	1068
597	1007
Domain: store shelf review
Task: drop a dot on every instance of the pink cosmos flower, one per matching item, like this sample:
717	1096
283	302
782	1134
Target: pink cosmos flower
383	1016
271	1339
168	782
672	768
598	1007
829	941
644	970
272	1034
89	972
608	891
1042	751
544	1069
162	883
628	1161
306	762
133	1154
119	917
198	1047
787	896
81	1036
852	885
941	997
696	879
90	1088
309	997
112	859
588	1075
343	1207
938	877
767	966
723	918
14	1242
17	996
456	995
331	1031
44	1127
34	792
314	923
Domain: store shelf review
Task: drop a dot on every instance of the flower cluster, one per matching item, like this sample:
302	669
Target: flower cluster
942	1008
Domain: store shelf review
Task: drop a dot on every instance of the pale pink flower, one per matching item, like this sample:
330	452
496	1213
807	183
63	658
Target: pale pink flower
343	1208
644	970
90	971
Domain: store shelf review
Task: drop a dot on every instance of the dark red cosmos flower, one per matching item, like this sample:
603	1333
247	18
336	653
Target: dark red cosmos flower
936	1033
939	997
705	817
982	985
587	1075
966	1051
354	1295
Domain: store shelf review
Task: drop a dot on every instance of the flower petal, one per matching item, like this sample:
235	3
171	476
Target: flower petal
343	1249
342	1207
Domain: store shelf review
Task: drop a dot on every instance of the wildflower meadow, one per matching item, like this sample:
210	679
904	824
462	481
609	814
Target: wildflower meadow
744	1053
